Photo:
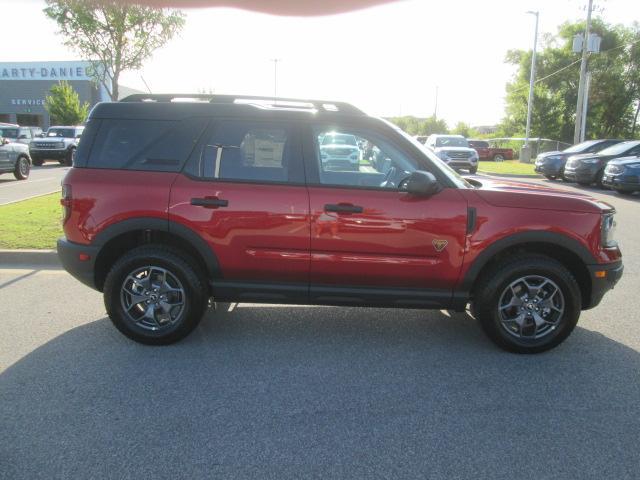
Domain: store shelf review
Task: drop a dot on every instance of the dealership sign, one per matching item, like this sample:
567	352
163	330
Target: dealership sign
45	71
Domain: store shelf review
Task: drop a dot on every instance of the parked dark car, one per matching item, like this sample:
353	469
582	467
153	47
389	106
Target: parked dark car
623	175
173	206
487	152
551	164
589	168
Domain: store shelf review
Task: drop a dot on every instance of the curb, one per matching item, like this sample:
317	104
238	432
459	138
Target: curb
11	202
20	258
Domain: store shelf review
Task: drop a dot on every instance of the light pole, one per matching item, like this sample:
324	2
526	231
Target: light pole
275	76
532	80
577	134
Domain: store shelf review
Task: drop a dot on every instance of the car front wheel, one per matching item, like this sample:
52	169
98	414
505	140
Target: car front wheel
22	169
155	295
527	304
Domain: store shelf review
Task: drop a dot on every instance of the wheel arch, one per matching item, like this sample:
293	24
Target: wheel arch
567	251
121	237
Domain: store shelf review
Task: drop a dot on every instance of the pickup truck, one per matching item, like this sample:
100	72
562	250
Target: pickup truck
486	152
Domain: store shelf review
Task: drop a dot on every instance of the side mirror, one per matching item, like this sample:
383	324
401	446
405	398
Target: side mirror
422	184
4	141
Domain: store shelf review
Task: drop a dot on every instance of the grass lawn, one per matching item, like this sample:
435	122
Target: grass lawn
513	167
33	223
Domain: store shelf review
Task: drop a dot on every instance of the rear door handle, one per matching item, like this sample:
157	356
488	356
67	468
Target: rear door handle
343	208
209	202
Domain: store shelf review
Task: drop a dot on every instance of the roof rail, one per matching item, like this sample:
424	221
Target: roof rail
272	103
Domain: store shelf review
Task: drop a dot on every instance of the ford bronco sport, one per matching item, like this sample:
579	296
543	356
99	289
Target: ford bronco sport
178	202
59	143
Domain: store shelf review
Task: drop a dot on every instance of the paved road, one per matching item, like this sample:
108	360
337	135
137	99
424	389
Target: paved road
42	180
297	392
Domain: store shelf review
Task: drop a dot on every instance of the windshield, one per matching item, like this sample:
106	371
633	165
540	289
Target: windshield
61	132
479	144
619	148
333	139
451	142
9	132
454	176
580	147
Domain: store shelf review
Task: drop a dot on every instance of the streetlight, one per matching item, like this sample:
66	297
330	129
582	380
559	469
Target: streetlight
526	150
275	76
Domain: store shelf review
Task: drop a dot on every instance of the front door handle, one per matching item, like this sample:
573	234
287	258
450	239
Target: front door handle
343	208
209	202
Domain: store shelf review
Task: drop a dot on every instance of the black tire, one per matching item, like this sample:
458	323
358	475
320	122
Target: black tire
550	177
473	171
599	178
22	169
182	268
492	285
68	159
37	162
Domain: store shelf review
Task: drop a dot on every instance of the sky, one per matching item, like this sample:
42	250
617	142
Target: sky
388	60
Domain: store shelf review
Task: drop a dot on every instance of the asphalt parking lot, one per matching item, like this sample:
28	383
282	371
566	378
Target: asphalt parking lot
300	392
42	180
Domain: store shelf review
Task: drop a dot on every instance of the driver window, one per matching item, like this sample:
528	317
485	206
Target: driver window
351	158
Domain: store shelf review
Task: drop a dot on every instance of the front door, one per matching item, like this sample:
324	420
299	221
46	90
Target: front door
370	241
243	192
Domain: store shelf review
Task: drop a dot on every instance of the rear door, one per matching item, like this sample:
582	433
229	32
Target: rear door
243	192
372	242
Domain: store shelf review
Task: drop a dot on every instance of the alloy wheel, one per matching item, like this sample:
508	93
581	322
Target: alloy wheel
531	307
153	298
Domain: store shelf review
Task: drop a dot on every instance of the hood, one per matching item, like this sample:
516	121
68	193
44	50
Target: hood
624	161
48	139
338	146
544	155
454	149
505	193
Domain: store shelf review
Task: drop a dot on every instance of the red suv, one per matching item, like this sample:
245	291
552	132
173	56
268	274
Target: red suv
176	202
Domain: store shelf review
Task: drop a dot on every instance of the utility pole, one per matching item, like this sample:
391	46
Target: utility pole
275	76
585	105
583	74
435	110
532	79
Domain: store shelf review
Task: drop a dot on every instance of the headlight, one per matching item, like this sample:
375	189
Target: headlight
608	230
590	161
633	166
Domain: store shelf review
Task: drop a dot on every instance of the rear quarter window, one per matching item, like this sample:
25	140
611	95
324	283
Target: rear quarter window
149	145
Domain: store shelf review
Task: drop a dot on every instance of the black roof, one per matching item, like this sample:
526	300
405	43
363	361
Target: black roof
174	106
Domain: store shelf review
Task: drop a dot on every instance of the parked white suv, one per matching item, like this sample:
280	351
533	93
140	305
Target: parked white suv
454	150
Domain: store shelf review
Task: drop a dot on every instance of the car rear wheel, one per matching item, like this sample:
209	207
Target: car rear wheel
155	295
22	169
527	304
498	157
70	157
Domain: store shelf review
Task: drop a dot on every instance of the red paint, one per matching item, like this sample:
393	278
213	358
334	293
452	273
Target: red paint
282	233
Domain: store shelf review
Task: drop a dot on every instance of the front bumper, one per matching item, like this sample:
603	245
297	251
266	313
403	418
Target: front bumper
625	183
602	284
83	270
552	170
465	165
581	175
48	153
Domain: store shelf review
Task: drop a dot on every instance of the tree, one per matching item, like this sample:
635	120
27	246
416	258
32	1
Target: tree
114	36
420	126
614	94
465	130
63	105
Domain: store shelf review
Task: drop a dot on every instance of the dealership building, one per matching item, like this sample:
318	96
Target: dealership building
25	85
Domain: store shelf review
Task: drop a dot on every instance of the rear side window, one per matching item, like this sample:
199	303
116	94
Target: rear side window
153	145
249	151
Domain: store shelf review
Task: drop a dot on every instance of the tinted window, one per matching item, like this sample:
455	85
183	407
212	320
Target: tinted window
61	132
247	151
9	132
451	142
619	148
155	145
478	144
